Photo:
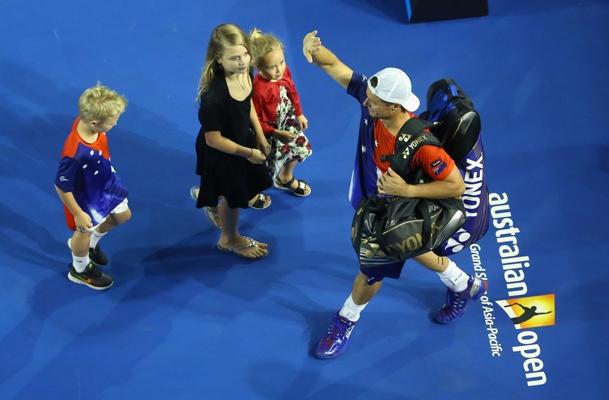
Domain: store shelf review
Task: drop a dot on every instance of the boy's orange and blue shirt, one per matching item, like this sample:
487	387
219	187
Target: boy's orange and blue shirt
86	171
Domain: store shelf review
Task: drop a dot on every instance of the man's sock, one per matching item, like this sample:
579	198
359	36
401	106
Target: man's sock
454	278
351	310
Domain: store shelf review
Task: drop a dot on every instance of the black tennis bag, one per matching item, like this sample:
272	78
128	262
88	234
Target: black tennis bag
457	125
399	228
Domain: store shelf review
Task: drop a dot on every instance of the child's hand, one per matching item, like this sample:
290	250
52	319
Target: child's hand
83	222
264	146
303	121
257	157
284	136
310	44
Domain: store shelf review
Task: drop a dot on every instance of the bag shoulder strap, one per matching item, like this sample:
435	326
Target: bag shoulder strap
410	138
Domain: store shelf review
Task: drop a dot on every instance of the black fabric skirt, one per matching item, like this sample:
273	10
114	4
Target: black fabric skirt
229	176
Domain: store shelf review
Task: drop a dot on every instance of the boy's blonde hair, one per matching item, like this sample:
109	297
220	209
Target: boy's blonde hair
100	103
263	44
222	36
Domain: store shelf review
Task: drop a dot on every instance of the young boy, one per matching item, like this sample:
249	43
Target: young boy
94	198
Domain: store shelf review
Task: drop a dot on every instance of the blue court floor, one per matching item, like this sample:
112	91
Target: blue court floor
184	321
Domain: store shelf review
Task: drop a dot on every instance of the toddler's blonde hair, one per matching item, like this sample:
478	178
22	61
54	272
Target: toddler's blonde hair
263	44
100	103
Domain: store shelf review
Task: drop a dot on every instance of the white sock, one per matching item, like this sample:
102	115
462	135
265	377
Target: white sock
80	263
351	310
95	238
454	278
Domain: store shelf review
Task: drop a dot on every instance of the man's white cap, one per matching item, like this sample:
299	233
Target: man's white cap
393	86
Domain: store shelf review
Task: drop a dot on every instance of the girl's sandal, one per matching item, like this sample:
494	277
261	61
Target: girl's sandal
239	250
214	216
300	190
261	202
211	212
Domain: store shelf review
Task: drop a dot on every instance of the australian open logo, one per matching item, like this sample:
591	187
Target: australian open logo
526	313
530	312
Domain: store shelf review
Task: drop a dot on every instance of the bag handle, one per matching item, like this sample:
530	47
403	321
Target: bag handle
358	222
423	208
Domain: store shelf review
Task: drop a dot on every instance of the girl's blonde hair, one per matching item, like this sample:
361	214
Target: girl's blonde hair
263	44
100	103
222	36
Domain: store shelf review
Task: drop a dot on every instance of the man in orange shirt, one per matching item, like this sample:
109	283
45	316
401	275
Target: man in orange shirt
387	102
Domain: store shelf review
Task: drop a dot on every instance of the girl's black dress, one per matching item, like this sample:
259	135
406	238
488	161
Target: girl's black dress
222	174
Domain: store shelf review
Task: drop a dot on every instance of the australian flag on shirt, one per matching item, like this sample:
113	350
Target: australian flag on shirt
85	170
365	173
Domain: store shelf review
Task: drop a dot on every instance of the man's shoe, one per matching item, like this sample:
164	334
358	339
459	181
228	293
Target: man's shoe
91	276
96	255
456	302
334	343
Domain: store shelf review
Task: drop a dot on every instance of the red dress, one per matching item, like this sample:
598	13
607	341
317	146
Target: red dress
278	105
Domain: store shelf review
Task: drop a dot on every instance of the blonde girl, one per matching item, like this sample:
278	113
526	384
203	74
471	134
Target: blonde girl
231	147
278	107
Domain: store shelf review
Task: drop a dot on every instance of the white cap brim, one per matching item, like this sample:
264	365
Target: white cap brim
412	104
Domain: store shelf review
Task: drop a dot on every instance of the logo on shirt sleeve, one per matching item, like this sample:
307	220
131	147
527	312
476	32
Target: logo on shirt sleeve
63	179
438	166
